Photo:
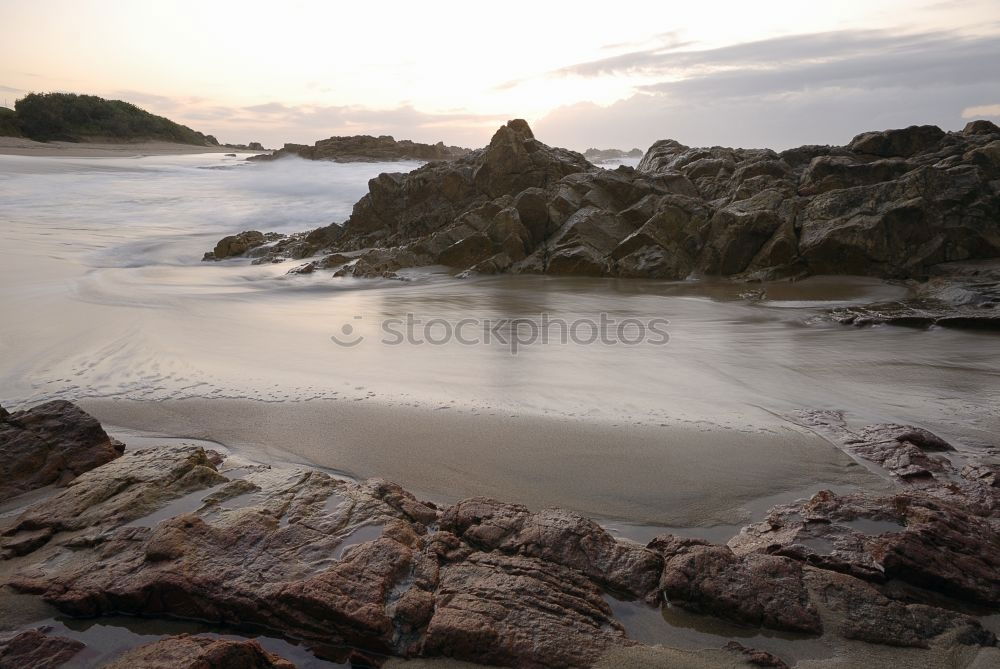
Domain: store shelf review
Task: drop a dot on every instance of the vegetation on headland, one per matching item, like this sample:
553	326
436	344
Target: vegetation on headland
8	123
46	117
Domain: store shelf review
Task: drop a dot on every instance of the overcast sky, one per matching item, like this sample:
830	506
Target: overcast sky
603	74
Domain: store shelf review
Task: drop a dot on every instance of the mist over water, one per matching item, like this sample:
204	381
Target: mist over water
103	294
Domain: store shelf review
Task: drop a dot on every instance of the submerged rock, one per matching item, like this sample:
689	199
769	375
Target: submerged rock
199	652
36	649
959	295
50	443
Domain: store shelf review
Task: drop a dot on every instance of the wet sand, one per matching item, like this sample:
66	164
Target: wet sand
18	146
642	474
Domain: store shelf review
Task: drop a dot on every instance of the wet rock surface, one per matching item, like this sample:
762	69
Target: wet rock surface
365	571
961	295
761	590
36	649
50	443
199	652
365	148
892	204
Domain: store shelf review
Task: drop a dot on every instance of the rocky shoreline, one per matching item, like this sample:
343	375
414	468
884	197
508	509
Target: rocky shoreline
916	204
365	149
892	204
363	571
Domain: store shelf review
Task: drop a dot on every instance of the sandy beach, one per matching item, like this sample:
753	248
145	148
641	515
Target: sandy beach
19	146
666	476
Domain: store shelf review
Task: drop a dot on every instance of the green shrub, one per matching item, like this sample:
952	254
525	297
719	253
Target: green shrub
8	123
73	118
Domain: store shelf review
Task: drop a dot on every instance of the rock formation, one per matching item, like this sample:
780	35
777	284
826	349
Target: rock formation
199	652
50	443
365	570
366	149
890	204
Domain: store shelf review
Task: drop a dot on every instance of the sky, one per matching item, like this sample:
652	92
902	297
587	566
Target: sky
704	72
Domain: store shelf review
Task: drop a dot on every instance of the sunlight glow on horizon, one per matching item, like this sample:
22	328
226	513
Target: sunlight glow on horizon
430	71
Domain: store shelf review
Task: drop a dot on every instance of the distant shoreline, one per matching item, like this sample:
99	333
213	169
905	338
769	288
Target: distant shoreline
19	146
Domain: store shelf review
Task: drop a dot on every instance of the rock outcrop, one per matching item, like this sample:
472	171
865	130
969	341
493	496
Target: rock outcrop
50	443
890	204
365	148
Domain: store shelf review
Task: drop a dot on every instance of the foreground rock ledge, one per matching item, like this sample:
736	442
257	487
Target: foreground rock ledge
366	570
890	204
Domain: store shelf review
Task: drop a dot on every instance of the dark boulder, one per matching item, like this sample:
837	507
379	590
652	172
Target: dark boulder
50	443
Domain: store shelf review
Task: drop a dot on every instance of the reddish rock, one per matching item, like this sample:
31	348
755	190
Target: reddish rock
50	443
125	489
863	613
36	649
558	536
199	652
912	537
519	611
764	590
755	657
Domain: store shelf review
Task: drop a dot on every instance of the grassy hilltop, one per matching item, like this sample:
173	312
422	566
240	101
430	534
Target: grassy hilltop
69	117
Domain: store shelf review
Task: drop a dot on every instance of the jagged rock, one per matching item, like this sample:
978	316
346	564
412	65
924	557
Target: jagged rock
895	204
236	245
911	538
902	142
864	614
519	611
757	589
307	268
906	453
559	536
199	652
828	173
981	127
36	649
325	561
50	443
365	570
127	488
332	260
365	148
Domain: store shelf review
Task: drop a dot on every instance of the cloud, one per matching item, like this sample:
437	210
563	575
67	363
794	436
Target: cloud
786	91
783	53
981	111
666	40
268	108
276	123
